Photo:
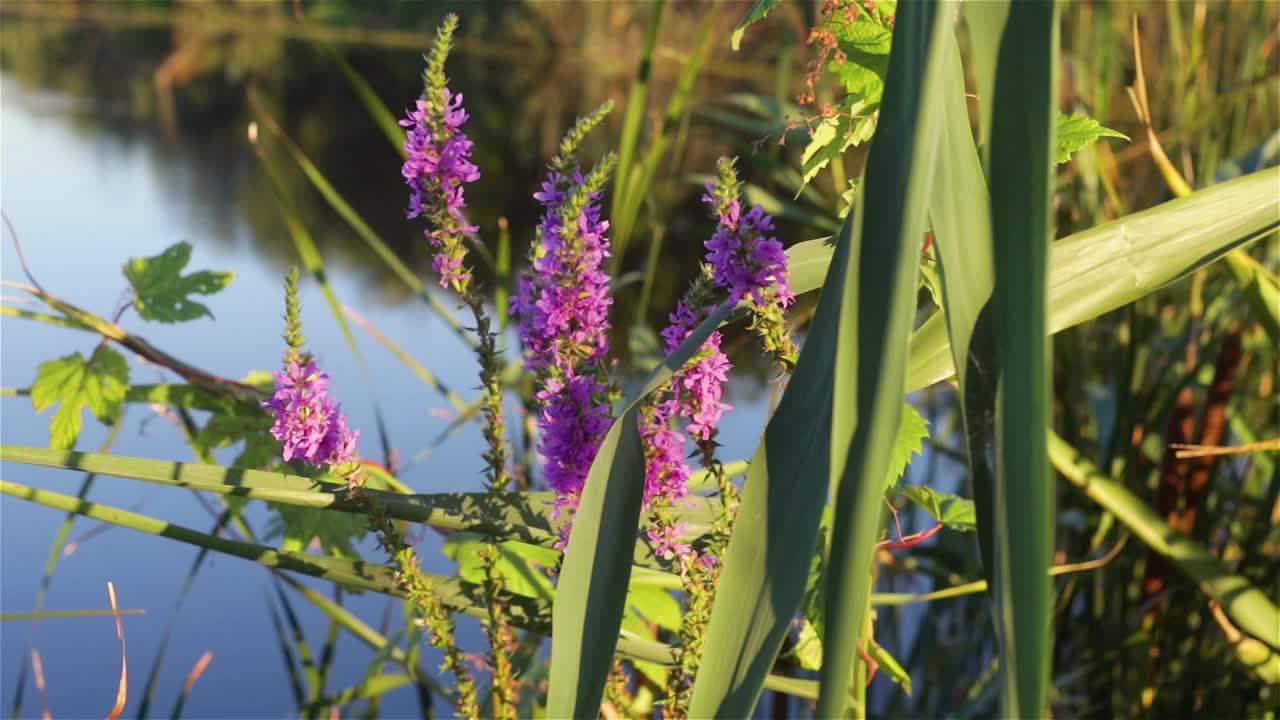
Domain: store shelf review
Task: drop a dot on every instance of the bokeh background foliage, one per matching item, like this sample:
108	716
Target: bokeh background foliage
1105	500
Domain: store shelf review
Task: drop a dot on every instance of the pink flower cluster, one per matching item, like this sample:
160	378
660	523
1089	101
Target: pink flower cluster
437	168
745	258
308	423
563	308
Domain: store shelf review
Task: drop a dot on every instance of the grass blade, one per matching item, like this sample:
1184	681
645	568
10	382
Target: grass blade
878	303
357	223
640	177
378	110
356	574
51	564
634	117
1021	174
62	614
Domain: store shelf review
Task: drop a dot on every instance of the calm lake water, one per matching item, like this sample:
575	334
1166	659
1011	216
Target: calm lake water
83	198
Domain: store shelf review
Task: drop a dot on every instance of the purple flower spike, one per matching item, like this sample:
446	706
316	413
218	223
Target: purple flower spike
308	423
563	308
745	259
436	171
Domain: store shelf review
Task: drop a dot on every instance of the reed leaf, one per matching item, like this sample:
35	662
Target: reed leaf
1098	270
1249	608
762	583
1021	178
591	593
878	303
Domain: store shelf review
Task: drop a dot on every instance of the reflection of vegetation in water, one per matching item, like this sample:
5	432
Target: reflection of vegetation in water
176	77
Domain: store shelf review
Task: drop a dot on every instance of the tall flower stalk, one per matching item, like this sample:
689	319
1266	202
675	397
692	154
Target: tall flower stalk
562	304
744	265
312	429
437	169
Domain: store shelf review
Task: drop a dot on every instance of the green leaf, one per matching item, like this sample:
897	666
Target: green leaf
1098	270
834	135
953	511
1077	130
865	36
591	592
520	565
912	430
1022	500
878	307
655	605
160	291
808	650
759	9
298	526
99	384
762	586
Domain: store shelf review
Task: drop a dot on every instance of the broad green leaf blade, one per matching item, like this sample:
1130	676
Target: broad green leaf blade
160	291
985	21
1076	131
1021	181
591	592
1098	270
877	308
73	383
1249	608
757	12
762	584
961	215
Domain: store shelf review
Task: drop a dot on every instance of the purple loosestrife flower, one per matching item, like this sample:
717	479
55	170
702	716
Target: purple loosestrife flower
308	423
666	541
439	166
563	308
745	258
666	475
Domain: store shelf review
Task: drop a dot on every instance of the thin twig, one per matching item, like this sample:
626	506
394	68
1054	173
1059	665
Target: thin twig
17	246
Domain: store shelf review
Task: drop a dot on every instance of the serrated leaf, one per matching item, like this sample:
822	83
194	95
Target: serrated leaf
759	9
1077	130
808	650
853	125
162	293
520	565
953	511
865	36
912	430
298	526
99	383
